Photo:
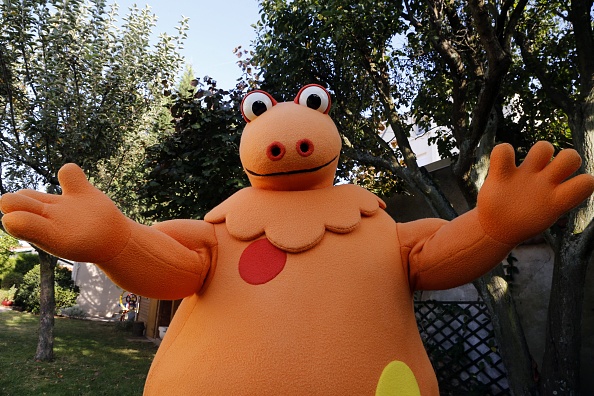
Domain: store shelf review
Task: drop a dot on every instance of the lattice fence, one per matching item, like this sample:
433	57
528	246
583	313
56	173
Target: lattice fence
459	339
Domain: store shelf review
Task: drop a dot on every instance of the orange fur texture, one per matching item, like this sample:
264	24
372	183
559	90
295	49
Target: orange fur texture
296	286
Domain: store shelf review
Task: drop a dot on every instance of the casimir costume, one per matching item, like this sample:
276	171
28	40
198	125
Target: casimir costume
294	286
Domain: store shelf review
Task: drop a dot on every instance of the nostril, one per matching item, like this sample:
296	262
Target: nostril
275	151
305	147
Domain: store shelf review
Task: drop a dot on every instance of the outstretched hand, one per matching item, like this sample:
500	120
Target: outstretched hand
82	224
516	203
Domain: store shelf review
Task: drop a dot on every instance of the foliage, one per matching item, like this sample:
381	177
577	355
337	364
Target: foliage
91	359
12	278
74	311
79	88
64	278
65	297
25	262
29	290
197	165
8	294
28	293
7	243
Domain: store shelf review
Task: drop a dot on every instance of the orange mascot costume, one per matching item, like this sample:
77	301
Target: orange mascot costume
296	286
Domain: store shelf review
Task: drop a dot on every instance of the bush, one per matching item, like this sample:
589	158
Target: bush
27	296
7	243
8	294
25	262
11	279
75	312
65	297
64	279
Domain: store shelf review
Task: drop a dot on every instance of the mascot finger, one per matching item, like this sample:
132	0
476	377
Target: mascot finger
503	162
572	192
538	157
21	203
39	196
28	226
563	165
74	181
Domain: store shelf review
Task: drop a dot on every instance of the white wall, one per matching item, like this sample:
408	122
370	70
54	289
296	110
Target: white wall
99	296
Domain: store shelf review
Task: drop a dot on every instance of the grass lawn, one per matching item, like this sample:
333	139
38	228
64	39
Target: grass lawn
91	358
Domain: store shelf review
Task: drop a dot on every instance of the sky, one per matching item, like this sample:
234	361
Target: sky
216	28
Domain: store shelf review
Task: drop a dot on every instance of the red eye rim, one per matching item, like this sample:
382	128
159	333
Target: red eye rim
319	87
247	113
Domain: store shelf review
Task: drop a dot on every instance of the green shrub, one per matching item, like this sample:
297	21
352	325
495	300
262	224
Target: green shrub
75	312
28	294
64	279
65	297
12	278
66	291
25	262
7	243
8	294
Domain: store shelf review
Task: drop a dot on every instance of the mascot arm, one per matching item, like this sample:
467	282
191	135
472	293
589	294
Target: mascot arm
167	261
514	204
84	225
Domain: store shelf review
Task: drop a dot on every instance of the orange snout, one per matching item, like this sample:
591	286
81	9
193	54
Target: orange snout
276	150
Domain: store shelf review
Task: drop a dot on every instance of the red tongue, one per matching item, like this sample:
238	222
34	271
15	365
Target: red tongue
261	262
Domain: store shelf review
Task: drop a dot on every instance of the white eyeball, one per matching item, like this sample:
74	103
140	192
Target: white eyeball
255	104
315	97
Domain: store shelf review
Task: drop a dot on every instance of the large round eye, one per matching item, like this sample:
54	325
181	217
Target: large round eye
315	97
255	103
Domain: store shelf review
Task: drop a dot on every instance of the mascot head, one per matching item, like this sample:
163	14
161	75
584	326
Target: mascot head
291	145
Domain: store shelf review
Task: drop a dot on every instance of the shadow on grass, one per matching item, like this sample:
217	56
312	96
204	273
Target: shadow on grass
92	358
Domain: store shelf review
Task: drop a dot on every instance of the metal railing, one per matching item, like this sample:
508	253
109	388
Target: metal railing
459	340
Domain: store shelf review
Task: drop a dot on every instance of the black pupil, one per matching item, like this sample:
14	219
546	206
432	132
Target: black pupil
314	101
258	107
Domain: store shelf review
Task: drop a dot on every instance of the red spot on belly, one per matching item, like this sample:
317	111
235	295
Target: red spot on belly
261	262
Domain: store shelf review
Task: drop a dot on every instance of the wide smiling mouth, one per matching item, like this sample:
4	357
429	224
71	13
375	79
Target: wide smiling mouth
292	172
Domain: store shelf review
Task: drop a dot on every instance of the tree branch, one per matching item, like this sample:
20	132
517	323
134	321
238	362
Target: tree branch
558	96
580	16
499	62
7	77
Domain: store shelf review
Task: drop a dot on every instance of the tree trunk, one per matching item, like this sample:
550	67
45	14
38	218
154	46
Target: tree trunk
45	345
513	348
561	363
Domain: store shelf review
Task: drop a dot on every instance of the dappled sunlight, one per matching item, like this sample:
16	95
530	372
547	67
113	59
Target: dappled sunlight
13	319
91	358
498	288
99	296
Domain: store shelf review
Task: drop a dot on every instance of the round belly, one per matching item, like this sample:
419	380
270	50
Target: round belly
328	323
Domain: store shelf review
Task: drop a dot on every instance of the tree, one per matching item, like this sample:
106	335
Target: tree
7	243
455	66
29	291
197	165
187	83
556	42
75	87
